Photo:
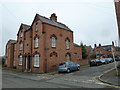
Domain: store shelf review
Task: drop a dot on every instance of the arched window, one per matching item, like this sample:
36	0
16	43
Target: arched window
36	27
53	41
36	60
67	57
21	46
21	34
67	44
20	60
36	42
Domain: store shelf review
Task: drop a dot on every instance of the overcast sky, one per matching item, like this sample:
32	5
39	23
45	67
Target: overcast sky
93	21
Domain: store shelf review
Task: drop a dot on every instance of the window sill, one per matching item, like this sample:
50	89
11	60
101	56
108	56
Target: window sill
53	47
36	66
36	47
68	49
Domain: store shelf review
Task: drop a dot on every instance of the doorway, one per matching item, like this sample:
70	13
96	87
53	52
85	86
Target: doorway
27	60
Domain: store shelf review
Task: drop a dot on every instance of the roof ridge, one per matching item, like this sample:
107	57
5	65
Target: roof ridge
58	24
25	24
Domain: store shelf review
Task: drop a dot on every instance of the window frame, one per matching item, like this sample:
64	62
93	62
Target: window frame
20	60
53	39
21	46
36	60
67	57
21	34
67	42
36	42
36	27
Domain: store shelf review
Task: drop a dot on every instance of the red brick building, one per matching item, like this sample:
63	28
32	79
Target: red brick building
102	51
10	46
43	45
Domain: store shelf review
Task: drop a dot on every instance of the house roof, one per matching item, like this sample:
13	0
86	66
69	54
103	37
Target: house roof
107	47
12	41
24	26
49	21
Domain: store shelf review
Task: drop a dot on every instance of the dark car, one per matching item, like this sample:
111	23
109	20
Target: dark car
68	67
95	62
117	58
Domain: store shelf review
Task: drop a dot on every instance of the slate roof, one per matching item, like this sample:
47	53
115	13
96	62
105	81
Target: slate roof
107	47
49	21
24	26
12	41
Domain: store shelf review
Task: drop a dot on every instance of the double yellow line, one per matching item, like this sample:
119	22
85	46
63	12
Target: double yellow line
115	86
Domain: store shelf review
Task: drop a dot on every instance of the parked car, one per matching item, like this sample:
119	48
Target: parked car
103	61
68	67
109	60
95	62
117	58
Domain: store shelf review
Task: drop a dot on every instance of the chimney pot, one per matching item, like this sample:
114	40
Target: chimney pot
99	45
53	17
95	45
112	43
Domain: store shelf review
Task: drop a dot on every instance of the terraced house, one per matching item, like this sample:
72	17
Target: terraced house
43	45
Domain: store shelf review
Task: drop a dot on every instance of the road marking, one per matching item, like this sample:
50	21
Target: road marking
99	82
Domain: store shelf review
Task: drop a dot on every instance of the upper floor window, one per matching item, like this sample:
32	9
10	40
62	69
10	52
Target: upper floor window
67	44
20	60
36	27
21	34
21	46
53	41
36	60
36	42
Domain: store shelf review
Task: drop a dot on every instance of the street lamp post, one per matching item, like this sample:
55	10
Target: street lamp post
114	61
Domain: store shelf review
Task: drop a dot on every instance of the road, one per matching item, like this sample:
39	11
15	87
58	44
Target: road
85	78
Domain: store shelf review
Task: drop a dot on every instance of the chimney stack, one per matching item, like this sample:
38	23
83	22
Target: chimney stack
95	45
112	43
99	45
53	17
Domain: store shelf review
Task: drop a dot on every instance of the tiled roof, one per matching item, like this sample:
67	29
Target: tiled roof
49	21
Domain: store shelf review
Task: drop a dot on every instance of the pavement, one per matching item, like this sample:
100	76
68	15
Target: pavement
110	77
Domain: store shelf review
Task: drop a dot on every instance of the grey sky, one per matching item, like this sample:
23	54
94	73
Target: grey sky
92	22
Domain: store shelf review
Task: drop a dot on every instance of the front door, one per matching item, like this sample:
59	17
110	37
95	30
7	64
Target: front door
27	63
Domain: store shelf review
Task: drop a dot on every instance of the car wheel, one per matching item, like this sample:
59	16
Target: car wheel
68	70
78	68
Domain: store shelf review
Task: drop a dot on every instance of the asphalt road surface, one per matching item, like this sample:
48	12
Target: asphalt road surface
85	78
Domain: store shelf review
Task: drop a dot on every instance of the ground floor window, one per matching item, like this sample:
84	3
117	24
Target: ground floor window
36	60
67	57
20	60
